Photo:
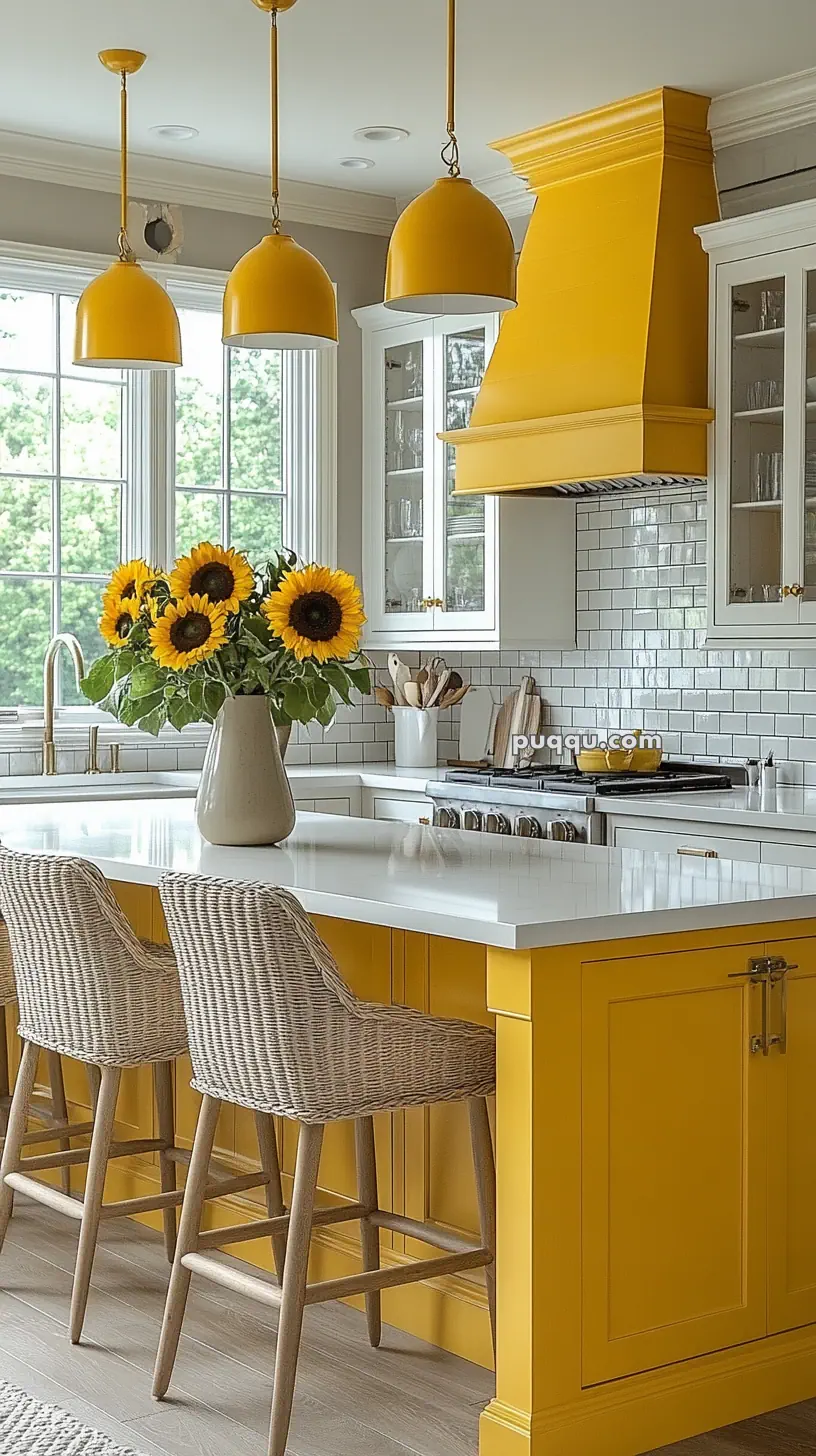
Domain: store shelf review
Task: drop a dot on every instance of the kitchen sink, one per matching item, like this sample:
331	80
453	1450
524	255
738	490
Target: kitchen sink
63	788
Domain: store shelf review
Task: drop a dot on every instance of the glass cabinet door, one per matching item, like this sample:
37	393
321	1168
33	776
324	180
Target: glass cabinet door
809	533
404	508
466	522
757	465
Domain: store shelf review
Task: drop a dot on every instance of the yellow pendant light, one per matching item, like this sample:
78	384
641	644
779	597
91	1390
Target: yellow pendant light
451	250
125	319
278	295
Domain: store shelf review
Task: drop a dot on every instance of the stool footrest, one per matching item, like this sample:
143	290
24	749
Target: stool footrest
221	1187
82	1155
234	1279
126	1207
57	1129
425	1233
395	1276
44	1193
239	1233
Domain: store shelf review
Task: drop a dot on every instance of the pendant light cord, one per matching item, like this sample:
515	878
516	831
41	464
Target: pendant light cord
274	88
125	251
450	151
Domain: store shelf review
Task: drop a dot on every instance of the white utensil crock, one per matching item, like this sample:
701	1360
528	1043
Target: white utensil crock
244	796
415	737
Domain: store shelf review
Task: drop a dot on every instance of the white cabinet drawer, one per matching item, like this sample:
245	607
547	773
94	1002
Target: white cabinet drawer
405	811
801	855
333	806
305	806
697	844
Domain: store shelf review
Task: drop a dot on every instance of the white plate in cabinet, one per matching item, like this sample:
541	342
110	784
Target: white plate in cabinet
441	569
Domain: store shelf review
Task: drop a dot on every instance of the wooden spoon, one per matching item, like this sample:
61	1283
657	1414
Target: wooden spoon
441	685
400	675
412	694
384	697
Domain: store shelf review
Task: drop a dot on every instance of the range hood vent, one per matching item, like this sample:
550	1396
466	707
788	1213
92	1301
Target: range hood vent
599	379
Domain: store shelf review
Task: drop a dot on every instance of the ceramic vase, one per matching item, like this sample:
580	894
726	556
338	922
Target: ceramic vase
244	796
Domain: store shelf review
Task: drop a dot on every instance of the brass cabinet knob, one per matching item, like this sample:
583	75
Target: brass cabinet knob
793	591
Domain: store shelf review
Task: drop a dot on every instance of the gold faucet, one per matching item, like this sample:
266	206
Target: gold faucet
69	642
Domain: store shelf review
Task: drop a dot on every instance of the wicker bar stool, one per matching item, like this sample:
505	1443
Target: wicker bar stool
274	1028
89	989
51	1112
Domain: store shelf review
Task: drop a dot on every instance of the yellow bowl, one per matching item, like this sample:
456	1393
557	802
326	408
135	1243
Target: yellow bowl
605	760
646	760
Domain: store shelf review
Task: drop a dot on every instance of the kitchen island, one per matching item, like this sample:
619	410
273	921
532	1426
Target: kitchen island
656	1169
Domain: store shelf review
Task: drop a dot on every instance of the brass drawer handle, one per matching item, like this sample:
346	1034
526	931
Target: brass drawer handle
700	853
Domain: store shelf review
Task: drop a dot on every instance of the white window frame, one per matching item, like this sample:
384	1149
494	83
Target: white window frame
309	449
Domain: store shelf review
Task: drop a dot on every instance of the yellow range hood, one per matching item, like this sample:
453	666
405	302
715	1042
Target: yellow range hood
599	379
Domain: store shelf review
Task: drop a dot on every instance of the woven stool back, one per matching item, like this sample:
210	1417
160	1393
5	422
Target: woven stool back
274	1027
7	991
86	986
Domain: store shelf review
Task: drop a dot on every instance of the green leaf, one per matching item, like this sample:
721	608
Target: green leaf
181	713
155	720
131	709
360	677
325	713
123	663
296	703
146	678
335	675
100	679
214	695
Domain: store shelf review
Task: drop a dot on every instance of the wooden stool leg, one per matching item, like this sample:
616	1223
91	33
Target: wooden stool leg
369	1235
268	1148
5	1085
294	1285
94	1079
59	1109
18	1121
163	1087
94	1192
187	1243
485	1169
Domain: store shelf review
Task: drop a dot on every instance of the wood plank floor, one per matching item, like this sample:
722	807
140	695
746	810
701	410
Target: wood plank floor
406	1399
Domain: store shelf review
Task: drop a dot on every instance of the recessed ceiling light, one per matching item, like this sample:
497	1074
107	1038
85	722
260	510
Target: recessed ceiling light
173	133
381	134
356	164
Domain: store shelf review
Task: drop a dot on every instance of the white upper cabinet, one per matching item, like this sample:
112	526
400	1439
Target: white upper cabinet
439	568
762	584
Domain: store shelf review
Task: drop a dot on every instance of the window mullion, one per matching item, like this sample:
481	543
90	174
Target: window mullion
147	512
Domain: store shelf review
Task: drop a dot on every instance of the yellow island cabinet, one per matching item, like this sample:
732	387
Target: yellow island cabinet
655	1125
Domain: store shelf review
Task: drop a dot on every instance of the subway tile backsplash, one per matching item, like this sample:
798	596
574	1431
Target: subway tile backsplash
640	661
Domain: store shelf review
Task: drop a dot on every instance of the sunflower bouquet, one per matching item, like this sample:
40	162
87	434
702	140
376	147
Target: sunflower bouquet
214	627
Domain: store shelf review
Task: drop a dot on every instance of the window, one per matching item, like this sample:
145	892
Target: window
228	475
95	466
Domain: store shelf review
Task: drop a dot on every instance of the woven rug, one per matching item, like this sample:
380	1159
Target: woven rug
29	1428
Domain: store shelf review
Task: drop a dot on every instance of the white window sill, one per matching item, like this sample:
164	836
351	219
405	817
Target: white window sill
71	731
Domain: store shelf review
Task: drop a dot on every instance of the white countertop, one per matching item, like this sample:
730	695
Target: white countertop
474	887
308	781
788	809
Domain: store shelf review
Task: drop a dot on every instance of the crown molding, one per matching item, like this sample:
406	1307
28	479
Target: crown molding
190	184
762	111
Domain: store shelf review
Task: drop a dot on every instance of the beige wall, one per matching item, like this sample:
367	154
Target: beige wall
68	217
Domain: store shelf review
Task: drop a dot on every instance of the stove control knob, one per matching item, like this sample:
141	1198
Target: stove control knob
496	823
562	831
527	827
472	819
446	818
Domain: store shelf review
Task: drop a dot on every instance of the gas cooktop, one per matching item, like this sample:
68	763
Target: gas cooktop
669	778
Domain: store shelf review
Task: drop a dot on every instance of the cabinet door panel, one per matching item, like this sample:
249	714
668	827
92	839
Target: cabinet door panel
673	1161
792	1144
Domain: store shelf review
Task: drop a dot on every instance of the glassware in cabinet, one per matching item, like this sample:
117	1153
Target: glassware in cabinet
404	479
757	441
464	360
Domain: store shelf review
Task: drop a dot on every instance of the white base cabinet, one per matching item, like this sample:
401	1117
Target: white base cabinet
441	569
719	841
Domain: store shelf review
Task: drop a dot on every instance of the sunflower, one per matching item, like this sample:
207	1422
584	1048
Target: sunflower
127	583
223	576
316	612
118	617
189	631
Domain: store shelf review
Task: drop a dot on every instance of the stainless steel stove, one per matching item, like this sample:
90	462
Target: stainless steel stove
542	802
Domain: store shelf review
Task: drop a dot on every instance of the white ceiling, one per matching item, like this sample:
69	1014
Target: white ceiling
352	63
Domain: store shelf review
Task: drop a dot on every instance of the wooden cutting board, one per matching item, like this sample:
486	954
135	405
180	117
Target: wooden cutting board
476	715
